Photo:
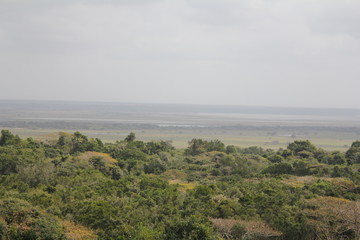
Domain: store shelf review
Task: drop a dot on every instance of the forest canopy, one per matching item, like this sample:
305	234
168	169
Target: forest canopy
76	187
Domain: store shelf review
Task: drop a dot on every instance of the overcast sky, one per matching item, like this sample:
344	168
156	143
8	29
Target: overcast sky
302	53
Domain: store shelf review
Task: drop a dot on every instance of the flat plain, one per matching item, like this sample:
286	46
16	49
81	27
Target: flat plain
244	126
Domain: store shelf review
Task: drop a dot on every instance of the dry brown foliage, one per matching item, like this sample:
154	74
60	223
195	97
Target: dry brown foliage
330	217
83	159
174	174
53	137
78	232
254	229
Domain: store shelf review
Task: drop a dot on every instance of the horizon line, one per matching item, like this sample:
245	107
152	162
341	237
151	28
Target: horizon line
178	104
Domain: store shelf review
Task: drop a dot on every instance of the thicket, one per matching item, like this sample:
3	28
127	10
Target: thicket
77	187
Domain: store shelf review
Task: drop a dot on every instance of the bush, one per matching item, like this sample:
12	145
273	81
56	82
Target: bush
279	168
23	221
190	228
238	231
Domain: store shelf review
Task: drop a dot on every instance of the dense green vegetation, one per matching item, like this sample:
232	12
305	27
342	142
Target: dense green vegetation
81	188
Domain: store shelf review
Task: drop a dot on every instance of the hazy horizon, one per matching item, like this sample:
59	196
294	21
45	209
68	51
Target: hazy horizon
240	125
301	54
66	101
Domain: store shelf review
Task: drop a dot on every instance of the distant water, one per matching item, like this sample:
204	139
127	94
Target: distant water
180	115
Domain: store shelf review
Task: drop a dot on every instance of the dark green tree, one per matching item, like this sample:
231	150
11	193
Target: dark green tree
279	168
215	145
190	228
7	138
336	158
155	147
353	154
131	137
80	143
302	147
196	147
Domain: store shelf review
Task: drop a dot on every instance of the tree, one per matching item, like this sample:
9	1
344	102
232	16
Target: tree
333	218
231	229
95	145
7	138
130	138
275	158
196	147
80	143
98	163
23	221
336	158
215	145
61	141
302	147
155	147
353	154
154	166
231	149
190	228
279	168
12	159
301	168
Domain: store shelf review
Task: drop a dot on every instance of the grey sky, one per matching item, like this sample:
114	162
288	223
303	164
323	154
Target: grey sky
303	53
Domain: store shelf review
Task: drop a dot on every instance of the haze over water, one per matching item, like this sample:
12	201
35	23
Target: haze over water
175	114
